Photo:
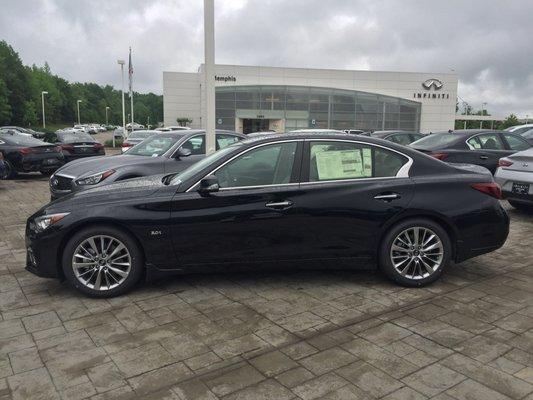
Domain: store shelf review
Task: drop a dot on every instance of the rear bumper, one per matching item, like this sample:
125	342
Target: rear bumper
505	179
488	235
39	162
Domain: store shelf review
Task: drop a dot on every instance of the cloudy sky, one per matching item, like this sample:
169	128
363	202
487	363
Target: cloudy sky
486	42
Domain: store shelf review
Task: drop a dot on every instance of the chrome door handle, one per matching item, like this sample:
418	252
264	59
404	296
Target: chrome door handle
387	197
483	157
279	204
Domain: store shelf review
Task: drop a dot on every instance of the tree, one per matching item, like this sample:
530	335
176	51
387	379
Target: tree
511	120
29	114
5	107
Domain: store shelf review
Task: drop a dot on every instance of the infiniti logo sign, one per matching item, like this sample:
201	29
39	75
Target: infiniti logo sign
432	83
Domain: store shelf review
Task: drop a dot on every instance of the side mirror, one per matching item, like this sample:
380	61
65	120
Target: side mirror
183	152
209	185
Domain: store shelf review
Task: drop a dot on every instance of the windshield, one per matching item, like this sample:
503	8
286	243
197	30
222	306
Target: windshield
435	141
200	165
139	135
68	137
154	146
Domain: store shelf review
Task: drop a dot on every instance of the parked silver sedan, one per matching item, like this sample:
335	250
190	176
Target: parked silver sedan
515	176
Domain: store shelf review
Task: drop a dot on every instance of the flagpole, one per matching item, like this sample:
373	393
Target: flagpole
130	72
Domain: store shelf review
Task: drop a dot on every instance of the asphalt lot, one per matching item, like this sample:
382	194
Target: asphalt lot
294	335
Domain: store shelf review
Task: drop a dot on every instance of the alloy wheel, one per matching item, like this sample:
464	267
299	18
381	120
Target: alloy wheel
417	252
101	262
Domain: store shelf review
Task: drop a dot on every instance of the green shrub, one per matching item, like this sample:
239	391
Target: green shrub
109	143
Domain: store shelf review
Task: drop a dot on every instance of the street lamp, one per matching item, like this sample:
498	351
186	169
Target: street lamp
106	118
42	102
482	114
121	63
78	104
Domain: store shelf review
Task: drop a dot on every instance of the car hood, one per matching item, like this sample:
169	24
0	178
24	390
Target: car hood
119	191
93	165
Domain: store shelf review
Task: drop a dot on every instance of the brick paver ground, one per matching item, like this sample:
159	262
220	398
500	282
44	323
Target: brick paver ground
294	335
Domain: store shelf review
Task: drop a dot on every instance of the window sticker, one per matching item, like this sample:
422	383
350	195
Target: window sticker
367	162
341	164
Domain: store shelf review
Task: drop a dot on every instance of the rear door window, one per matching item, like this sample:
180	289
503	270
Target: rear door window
400	138
487	141
225	140
329	161
196	145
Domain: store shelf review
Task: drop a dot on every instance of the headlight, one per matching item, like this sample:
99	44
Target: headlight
94	179
44	221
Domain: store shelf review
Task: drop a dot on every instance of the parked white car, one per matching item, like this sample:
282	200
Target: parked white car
515	176
519	129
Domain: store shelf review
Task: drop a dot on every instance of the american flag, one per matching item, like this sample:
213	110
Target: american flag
130	72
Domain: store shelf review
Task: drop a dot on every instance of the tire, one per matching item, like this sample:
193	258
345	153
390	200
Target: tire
10	172
521	206
413	265
111	284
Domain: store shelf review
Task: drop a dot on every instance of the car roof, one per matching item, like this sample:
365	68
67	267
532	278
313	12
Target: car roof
389	132
314	136
192	132
467	132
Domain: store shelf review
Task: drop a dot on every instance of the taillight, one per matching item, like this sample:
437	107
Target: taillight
1	156
98	146
439	156
25	151
126	144
57	149
504	163
67	147
490	188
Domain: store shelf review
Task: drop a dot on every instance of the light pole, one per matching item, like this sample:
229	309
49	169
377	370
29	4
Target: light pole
482	114
106	118
42	102
78	103
121	63
209	78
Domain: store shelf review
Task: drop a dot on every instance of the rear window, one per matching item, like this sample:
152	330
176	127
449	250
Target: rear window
20	140
435	141
75	137
140	135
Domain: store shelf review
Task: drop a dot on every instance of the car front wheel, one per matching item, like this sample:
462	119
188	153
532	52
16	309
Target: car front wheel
415	252
102	261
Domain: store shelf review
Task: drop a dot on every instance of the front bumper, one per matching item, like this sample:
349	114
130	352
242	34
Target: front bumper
41	253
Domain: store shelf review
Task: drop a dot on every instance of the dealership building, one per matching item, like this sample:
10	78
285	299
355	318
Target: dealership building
250	99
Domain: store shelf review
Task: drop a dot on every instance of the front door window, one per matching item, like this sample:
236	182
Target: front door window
266	165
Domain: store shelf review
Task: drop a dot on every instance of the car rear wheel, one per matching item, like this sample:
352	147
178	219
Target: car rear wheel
9	172
415	252
102	261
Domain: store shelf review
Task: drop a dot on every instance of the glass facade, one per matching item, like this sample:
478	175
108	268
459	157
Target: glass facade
310	107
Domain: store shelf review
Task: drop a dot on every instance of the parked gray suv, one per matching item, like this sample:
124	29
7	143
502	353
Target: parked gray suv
164	153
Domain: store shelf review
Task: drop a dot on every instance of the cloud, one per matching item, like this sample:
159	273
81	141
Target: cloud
487	43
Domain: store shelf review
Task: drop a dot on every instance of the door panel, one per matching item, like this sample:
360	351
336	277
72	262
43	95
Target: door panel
343	219
236	226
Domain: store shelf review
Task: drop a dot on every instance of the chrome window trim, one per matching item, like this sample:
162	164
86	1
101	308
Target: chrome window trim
241	153
403	172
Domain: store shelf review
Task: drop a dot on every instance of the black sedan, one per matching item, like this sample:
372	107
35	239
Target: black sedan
78	145
471	146
274	200
400	137
27	154
167	152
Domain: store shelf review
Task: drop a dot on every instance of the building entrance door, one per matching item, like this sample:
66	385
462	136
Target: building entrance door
250	125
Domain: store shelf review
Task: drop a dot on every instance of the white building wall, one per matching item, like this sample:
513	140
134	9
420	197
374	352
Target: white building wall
436	113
